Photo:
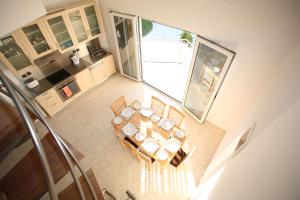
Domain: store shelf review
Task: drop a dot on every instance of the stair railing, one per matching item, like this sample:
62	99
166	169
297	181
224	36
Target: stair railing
12	90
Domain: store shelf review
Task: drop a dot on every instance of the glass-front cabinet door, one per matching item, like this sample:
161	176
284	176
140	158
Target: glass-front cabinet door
38	41
60	31
92	20
12	55
78	26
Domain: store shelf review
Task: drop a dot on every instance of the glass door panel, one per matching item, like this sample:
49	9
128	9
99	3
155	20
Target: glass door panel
126	39
13	53
78	26
211	63
60	32
91	16
36	38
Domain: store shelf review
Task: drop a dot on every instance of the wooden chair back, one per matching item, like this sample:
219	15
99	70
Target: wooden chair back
118	105
144	157
176	116
158	106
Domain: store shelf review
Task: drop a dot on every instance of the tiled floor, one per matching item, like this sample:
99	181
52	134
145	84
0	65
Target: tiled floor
85	123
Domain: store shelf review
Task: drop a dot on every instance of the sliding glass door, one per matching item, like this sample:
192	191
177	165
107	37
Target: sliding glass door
125	34
210	64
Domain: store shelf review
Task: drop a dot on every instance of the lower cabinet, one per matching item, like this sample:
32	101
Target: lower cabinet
109	65
84	80
97	71
50	101
103	69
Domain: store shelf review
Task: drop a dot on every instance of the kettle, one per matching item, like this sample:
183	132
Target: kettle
75	57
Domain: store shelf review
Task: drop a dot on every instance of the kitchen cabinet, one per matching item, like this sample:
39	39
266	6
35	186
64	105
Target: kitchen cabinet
109	65
84	80
36	38
84	21
102	69
98	72
50	101
12	55
79	28
92	19
59	30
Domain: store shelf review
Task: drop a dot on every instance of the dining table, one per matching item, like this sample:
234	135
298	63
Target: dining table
160	144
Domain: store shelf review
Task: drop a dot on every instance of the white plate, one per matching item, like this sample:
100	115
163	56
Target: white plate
180	133
127	112
166	124
150	145
118	120
155	118
162	155
172	145
139	137
146	112
137	105
129	129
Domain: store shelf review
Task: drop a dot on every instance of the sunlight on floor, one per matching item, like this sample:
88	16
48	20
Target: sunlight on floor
165	179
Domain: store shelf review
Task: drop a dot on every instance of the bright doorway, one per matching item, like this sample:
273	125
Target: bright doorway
180	64
166	55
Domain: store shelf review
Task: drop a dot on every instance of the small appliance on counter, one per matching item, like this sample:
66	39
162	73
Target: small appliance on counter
75	57
31	83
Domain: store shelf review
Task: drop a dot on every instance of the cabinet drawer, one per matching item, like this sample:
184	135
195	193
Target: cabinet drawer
54	108
48	97
50	101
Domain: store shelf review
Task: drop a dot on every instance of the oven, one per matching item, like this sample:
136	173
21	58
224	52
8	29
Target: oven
67	89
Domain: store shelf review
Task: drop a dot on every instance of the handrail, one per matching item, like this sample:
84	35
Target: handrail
60	142
35	139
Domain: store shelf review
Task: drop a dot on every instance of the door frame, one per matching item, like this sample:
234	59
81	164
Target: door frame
136	42
230	56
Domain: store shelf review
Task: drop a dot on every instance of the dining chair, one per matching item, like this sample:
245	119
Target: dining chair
132	149
178	158
176	116
144	157
181	157
158	106
118	105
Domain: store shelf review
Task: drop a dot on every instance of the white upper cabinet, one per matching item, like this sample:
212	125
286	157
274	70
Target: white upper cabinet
11	53
92	17
36	38
60	31
79	27
84	21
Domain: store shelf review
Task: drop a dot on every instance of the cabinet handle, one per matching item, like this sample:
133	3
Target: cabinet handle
49	97
46	93
53	104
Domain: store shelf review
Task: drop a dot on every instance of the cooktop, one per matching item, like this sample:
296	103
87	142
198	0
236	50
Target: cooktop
58	76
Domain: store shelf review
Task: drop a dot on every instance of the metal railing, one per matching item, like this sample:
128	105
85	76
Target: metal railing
14	92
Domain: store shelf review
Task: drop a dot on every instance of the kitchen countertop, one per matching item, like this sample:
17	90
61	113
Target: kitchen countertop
85	62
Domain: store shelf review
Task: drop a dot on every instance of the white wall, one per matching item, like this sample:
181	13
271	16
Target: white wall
268	168
16	13
261	32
